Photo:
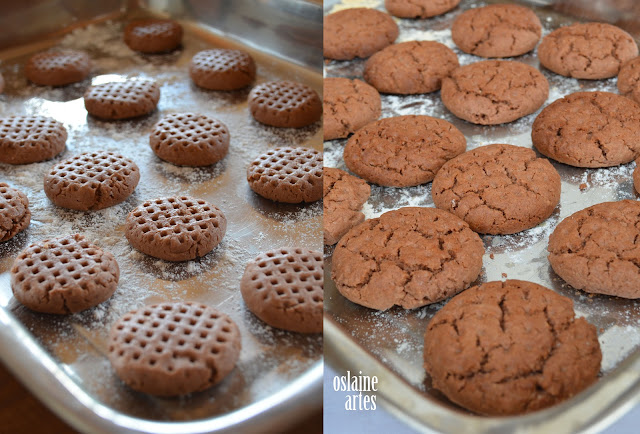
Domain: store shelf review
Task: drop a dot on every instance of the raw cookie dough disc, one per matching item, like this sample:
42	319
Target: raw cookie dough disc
15	215
589	129
58	68
347	106
343	198
122	100
598	249
512	347
587	50
403	151
410	67
629	79
493	92
419	8
30	139
284	288
173	349
153	35
408	257
222	69
357	32
498	189
285	104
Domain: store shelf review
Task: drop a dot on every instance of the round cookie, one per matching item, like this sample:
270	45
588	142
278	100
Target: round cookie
58	68
173	349
419	8
122	100
589	129
498	189
587	50
64	275
403	151
30	139
222	69
343	197
284	288
410	67
153	35
175	228
285	104
596	249
512	347
290	175
629	79
501	30
357	32
347	106
15	215
408	257
493	92
188	139
91	181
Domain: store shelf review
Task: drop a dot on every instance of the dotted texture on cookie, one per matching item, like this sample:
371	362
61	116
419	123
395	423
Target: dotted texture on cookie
29	139
629	79
174	349
403	151
285	104
58	68
498	189
419	8
587	50
64	275
284	288
512	347
343	197
122	100
597	249
493	92
222	69
153	35
347	106
175	228
408	257
589	129
15	215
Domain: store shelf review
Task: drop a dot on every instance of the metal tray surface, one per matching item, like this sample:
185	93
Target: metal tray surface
389	344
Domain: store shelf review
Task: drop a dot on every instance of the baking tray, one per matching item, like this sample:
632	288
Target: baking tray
390	344
62	358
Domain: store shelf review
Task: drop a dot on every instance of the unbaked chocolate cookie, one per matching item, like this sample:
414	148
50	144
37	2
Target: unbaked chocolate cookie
629	79
286	104
493	92
91	181
347	105
173	349
587	50
153	35
221	69
498	189
343	197
408	257
58	68
15	215
589	129
357	32
64	275
30	139
419	8
403	151
175	228
122	100
512	347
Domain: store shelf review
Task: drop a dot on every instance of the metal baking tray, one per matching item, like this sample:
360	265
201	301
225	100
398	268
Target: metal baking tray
62	359
390	344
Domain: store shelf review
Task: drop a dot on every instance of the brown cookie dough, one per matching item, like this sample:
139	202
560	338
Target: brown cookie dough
493	92
357	32
173	349
403	151
587	50
285	104
30	139
589	129
598	249
64	275
15	215
347	106
343	198
498	189
222	69
122	100
410	67
408	257
507	348
58	68
629	79
153	35
419	8
501	30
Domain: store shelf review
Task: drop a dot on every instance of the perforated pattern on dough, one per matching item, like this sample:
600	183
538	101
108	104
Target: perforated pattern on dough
222	69
14	212
121	100
29	139
153	36
285	104
57	68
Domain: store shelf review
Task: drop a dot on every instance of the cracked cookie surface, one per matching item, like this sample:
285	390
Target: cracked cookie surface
629	79
498	189
15	215
419	8
347	106
512	347
408	257
343	197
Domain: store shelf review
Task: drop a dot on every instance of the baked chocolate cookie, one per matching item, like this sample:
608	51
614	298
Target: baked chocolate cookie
30	139
410	67
175	228
512	347
498	189
173	349
91	181
493	92
347	105
122	100
285	104
587	50
15	215
419	8
357	32
403	151
58	68
222	69
153	35
408	257
64	275
343	197
589	129
629	79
